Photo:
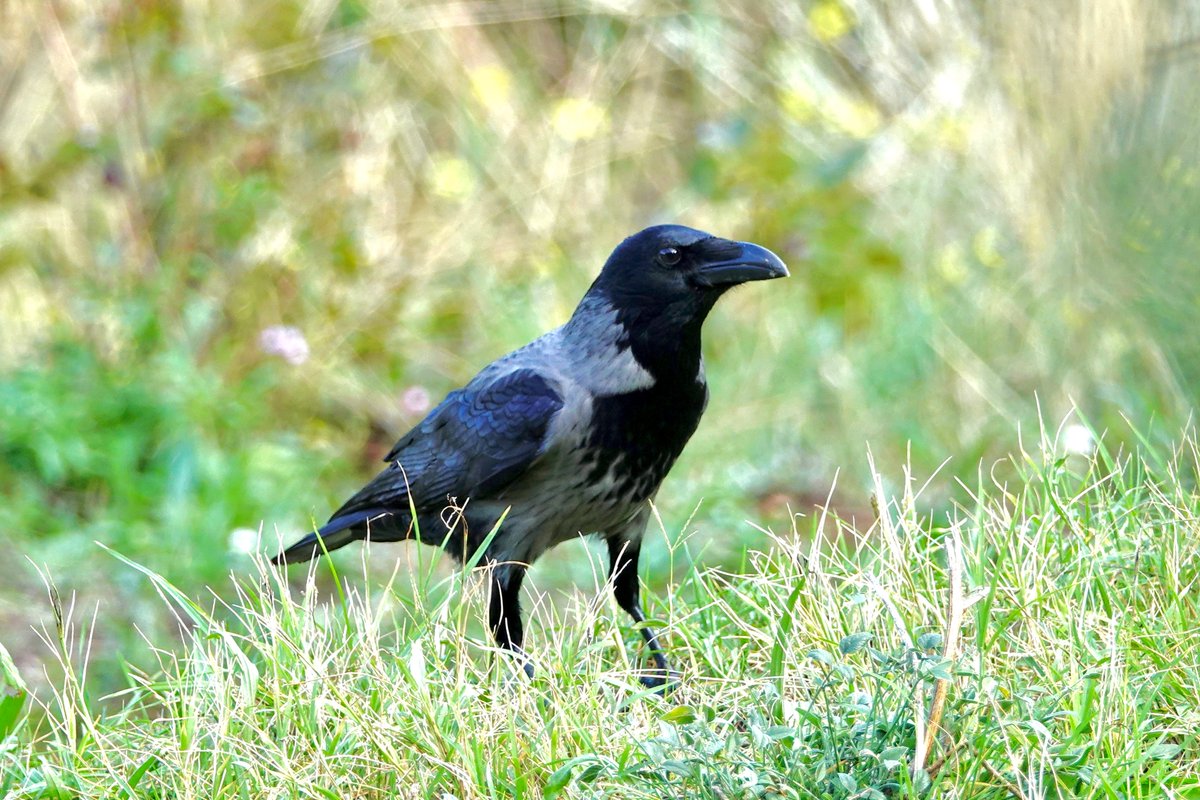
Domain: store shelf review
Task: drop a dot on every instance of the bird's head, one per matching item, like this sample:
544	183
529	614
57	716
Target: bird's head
678	271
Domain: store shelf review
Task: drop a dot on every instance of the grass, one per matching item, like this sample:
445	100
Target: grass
984	211
1074	673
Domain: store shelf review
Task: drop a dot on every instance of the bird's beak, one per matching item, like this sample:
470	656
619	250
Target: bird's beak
740	262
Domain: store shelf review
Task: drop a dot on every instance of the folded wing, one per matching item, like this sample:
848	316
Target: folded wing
476	442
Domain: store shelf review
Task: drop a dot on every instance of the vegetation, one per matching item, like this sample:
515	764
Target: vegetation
242	246
1056	614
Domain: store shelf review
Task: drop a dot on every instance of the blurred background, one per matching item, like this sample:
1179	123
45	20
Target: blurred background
244	246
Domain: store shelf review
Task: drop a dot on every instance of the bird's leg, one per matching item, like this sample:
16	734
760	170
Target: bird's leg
623	563
504	610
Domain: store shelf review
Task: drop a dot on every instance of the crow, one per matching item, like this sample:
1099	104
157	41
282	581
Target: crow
571	434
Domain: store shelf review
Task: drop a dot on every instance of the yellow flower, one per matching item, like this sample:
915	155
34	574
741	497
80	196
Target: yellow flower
492	85
858	118
951	265
985	248
576	118
830	20
799	102
951	133
451	177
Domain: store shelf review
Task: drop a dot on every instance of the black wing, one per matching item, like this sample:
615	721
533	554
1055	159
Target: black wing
476	442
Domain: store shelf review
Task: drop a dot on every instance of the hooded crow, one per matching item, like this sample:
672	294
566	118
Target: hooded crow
571	434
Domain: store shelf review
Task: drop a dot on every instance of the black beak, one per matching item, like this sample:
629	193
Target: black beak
739	262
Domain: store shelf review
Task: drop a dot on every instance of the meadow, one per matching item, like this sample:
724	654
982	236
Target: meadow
244	246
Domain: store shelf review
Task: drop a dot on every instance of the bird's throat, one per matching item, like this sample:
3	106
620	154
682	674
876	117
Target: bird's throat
667	345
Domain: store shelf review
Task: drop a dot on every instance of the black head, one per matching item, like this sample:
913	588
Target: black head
681	269
663	281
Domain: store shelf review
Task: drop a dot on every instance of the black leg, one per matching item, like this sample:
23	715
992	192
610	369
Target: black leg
623	563
504	610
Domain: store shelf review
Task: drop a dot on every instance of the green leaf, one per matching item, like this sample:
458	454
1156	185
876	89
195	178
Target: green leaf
941	670
1163	752
824	656
557	781
929	641
136	776
920	780
590	773
680	715
12	694
847	781
561	777
853	643
679	767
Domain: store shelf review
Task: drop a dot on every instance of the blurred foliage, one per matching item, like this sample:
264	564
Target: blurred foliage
988	210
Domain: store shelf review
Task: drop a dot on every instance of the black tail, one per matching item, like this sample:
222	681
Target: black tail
338	532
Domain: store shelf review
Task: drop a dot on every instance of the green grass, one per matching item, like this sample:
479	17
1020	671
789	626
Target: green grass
1074	673
989	218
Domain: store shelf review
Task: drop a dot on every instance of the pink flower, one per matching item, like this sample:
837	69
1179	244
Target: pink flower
415	401
284	341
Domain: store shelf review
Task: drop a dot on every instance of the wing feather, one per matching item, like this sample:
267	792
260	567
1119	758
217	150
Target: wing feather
476	442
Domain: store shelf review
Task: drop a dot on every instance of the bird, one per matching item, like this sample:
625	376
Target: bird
570	435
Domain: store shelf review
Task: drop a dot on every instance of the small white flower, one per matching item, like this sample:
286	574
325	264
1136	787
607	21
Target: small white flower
274	240
243	540
1078	440
285	341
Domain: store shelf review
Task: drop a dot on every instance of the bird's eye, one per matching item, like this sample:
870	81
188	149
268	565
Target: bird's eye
669	256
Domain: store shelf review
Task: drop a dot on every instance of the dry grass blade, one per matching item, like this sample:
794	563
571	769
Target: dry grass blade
1013	788
955	606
